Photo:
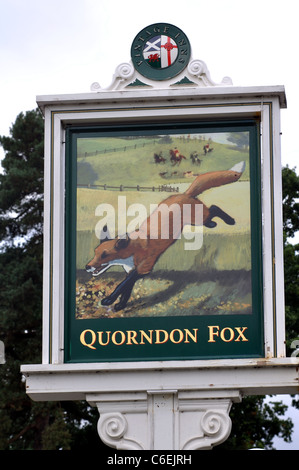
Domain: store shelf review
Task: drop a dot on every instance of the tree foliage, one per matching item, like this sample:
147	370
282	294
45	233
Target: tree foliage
21	195
255	423
291	260
25	424
290	198
240	139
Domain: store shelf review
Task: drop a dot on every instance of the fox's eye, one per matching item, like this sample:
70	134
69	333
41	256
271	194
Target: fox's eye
104	254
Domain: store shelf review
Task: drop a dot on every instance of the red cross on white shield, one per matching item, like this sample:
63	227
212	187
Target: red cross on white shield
169	51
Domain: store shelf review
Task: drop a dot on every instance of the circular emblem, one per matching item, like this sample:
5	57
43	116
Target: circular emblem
160	51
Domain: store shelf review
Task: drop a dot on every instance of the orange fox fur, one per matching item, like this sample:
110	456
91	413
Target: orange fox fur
146	251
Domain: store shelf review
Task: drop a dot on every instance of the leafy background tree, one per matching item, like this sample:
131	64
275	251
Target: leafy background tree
25	424
240	139
256	423
291	260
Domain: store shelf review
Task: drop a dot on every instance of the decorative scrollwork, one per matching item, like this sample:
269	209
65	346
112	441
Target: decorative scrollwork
123	74
226	81
196	72
124	71
215	427
213	422
197	67
112	427
95	86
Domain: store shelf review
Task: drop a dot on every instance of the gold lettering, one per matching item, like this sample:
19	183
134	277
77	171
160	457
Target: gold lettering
93	339
123	338
227	334
158	340
181	336
212	333
192	336
144	335
240	330
231	337
131	337
100	335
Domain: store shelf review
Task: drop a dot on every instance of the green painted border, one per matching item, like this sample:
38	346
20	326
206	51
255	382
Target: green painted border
75	352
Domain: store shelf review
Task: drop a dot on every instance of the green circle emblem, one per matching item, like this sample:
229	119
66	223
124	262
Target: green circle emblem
160	51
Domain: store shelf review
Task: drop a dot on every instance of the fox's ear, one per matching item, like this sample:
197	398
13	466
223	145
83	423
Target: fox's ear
105	234
122	243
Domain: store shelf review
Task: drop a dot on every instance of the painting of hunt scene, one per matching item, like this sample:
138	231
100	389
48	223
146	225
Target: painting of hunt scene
125	265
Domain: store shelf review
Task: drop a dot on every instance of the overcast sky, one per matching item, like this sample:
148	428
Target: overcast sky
63	46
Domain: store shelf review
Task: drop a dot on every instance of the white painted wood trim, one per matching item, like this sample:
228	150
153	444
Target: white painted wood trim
70	110
278	234
76	381
209	93
46	240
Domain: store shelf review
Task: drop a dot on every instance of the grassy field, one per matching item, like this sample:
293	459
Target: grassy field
214	279
166	293
234	199
130	166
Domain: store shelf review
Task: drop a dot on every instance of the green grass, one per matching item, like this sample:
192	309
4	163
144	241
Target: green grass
133	167
214	279
163	294
224	247
101	144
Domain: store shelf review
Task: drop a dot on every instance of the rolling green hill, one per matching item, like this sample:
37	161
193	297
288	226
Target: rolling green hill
215	279
130	162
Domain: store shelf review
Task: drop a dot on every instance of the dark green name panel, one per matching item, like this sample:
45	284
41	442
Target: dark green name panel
172	339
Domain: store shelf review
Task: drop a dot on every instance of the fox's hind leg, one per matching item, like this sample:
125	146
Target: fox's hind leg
215	211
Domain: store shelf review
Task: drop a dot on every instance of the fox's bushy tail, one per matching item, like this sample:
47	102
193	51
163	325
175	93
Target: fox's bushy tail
215	178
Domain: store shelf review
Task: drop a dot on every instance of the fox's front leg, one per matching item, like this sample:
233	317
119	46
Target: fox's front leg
124	289
215	211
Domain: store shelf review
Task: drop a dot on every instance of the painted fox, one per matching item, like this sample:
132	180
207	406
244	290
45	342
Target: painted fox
139	252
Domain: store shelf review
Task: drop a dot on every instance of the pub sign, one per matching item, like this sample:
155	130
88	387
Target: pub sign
160	214
164	256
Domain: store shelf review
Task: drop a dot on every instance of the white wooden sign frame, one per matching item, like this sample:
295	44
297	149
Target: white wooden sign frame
262	102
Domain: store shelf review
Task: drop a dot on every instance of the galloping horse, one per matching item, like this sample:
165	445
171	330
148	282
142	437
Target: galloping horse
159	158
195	158
176	158
207	149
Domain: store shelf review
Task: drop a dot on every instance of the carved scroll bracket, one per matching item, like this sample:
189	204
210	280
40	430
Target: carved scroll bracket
164	419
127	78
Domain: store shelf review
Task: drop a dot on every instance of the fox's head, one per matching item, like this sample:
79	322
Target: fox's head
109	252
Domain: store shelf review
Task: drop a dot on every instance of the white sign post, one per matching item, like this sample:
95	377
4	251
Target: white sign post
163	379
